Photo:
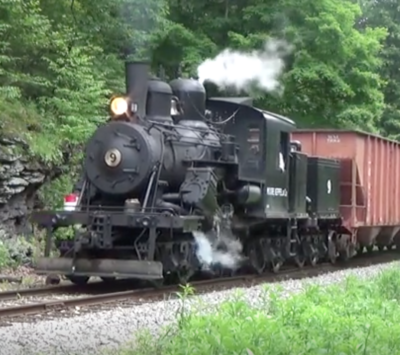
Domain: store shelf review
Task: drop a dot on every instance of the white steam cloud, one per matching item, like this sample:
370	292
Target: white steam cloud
210	253
243	70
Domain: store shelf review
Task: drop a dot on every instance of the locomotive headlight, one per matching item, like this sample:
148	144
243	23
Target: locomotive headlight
119	106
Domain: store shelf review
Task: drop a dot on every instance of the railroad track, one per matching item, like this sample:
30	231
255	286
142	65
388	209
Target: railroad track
153	293
92	287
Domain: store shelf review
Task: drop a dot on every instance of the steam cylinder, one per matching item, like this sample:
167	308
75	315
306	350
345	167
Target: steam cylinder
192	96
136	78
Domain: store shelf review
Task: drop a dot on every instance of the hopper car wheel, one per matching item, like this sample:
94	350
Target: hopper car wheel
381	247
390	247
78	280
370	248
360	249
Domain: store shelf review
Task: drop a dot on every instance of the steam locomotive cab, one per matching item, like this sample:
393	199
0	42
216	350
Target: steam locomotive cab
264	155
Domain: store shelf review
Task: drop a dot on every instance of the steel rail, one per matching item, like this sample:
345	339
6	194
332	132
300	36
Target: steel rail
68	288
149	293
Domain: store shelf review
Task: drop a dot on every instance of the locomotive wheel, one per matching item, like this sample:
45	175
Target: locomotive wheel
78	280
158	283
180	277
332	252
256	256
184	275
313	260
107	279
53	280
275	265
345	253
300	261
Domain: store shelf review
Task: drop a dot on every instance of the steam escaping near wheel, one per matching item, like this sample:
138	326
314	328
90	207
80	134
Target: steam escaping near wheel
224	251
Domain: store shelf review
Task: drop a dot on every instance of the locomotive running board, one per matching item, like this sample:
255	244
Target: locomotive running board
136	269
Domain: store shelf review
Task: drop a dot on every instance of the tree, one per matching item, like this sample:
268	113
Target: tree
332	77
387	13
60	60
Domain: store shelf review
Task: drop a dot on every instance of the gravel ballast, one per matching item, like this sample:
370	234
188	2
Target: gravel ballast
92	333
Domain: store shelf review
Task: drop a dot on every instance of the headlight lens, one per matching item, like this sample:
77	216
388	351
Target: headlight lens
119	106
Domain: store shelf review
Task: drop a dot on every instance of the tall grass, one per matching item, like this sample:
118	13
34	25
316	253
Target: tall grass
356	317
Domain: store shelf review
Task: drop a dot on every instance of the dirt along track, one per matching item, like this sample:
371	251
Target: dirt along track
95	295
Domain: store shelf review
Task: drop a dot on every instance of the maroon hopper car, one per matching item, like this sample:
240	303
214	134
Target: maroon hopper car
369	186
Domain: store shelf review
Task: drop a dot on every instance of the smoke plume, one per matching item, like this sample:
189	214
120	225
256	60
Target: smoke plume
224	250
244	70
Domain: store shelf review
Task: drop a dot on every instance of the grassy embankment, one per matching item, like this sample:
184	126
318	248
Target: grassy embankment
356	317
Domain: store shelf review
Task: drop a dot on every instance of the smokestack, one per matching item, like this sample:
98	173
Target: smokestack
136	76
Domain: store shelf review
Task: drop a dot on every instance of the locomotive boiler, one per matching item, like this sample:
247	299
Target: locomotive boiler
173	169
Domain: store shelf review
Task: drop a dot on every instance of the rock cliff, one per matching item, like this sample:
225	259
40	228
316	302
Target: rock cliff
20	178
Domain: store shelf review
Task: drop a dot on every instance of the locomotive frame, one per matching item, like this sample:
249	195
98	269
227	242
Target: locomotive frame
257	187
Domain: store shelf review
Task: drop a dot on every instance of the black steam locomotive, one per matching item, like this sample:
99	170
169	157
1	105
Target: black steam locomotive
177	183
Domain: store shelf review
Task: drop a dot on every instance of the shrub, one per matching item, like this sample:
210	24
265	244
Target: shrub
17	251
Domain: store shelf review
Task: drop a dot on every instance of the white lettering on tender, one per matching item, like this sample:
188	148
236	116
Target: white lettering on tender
276	191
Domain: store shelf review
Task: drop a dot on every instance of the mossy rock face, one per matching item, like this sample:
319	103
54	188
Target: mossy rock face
9	152
20	177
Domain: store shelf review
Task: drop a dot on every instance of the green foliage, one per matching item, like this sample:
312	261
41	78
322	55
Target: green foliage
387	13
60	60
356	317
332	77
16	251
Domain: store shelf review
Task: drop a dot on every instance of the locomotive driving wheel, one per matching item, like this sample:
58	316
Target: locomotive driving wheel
180	277
108	279
313	259
256	256
299	259
78	280
53	280
275	265
332	251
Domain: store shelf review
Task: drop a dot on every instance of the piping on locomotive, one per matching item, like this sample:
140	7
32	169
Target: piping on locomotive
171	163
